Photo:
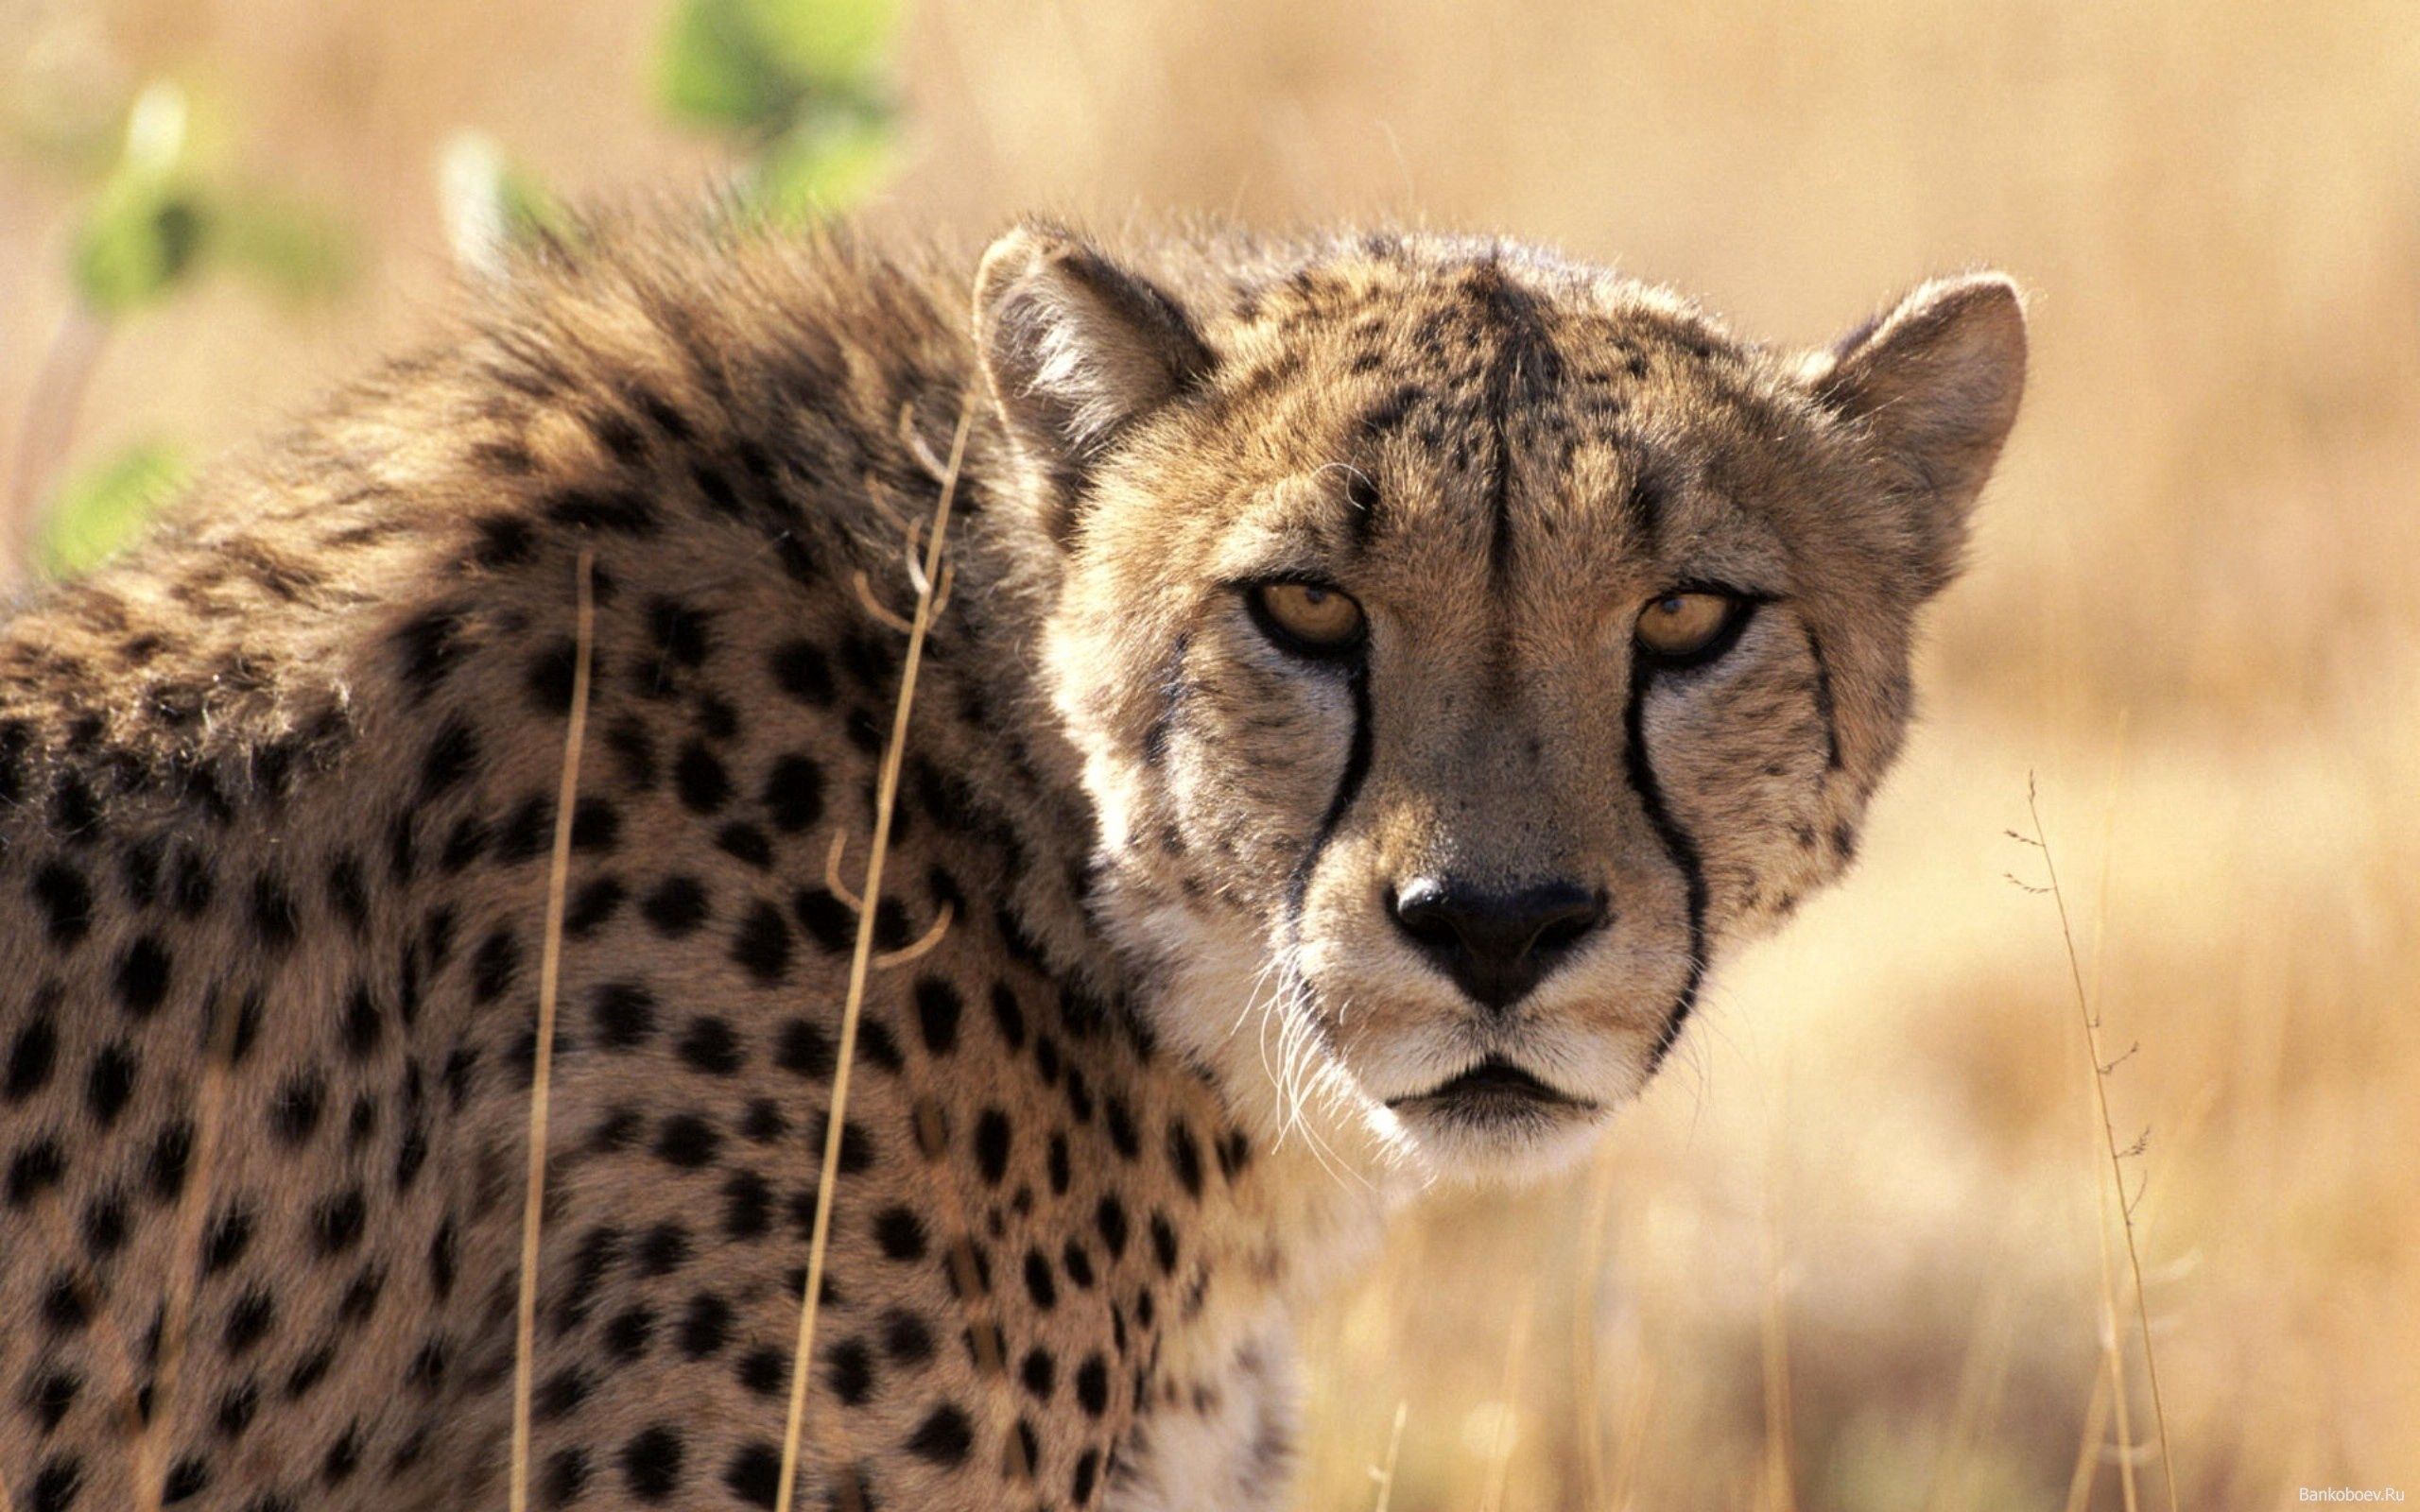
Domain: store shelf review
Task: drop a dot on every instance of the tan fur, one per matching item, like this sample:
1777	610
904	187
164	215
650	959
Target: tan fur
279	783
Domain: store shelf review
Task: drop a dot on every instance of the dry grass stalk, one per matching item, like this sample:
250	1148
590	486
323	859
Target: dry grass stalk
1499	1452
1394	1449
860	963
185	1257
2101	1068
525	1345
2096	1423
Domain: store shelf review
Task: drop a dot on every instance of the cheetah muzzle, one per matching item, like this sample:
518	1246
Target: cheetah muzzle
1381	675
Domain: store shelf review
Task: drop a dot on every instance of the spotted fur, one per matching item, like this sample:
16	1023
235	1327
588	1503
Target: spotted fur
277	790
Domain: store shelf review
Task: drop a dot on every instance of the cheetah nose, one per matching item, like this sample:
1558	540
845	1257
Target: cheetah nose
1495	945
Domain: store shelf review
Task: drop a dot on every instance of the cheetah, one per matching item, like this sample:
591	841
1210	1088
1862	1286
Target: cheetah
1377	675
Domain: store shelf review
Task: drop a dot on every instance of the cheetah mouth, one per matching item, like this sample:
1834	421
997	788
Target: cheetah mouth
1496	1087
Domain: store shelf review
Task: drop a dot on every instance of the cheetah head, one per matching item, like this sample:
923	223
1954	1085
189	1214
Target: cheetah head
1465	646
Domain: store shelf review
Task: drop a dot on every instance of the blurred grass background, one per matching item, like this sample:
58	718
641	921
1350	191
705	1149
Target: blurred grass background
1844	1255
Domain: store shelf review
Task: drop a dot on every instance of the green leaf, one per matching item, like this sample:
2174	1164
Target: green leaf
715	70
101	509
297	252
822	167
147	228
759	65
839	44
140	242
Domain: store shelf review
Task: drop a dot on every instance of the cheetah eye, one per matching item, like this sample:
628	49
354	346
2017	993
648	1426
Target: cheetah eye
1689	626
1308	619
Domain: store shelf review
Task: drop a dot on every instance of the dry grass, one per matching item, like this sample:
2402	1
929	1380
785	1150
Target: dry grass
2204	535
533	1204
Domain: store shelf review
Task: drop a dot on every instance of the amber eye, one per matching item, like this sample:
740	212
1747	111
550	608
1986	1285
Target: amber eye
1308	618
1680	625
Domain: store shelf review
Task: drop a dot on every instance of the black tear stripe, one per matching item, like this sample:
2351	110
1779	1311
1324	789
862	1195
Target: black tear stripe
1680	847
1823	710
1348	786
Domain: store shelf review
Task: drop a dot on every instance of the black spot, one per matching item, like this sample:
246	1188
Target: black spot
560	1395
36	1169
1038	1374
1060	1174
493	967
676	907
449	759
747	843
1163	1244
937	1009
66	903
652	1464
362	1025
566	1476
1077	1263
763	944
891	930
905	1337
705	1327
801	670
628	1334
1092	1385
595	903
294	1112
900	1233
429	647
628	740
1122	1133
686	1141
794	793
754	1474
56	1484
1039	1282
747	1205
249	1321
30	1059
663	1249
275	917
50	1396
142	977
625	1015
805	1050
1185	1156
237	1406
1110	1218
337	1226
831	923
992	1139
504	540
944	1437
766	1371
680	632
1087	1474
1008	1015
171	1158
698	777
710	1046
848	1371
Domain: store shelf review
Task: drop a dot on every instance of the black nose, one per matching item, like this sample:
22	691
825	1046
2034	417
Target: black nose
1495	945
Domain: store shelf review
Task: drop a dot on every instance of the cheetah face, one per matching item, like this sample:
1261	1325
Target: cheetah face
1465	647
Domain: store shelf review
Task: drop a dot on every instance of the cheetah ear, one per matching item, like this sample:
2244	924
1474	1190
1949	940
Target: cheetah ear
1935	383
1076	350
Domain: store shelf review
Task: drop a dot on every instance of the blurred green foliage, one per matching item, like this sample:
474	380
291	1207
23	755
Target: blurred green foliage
803	84
101	509
803	87
157	219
